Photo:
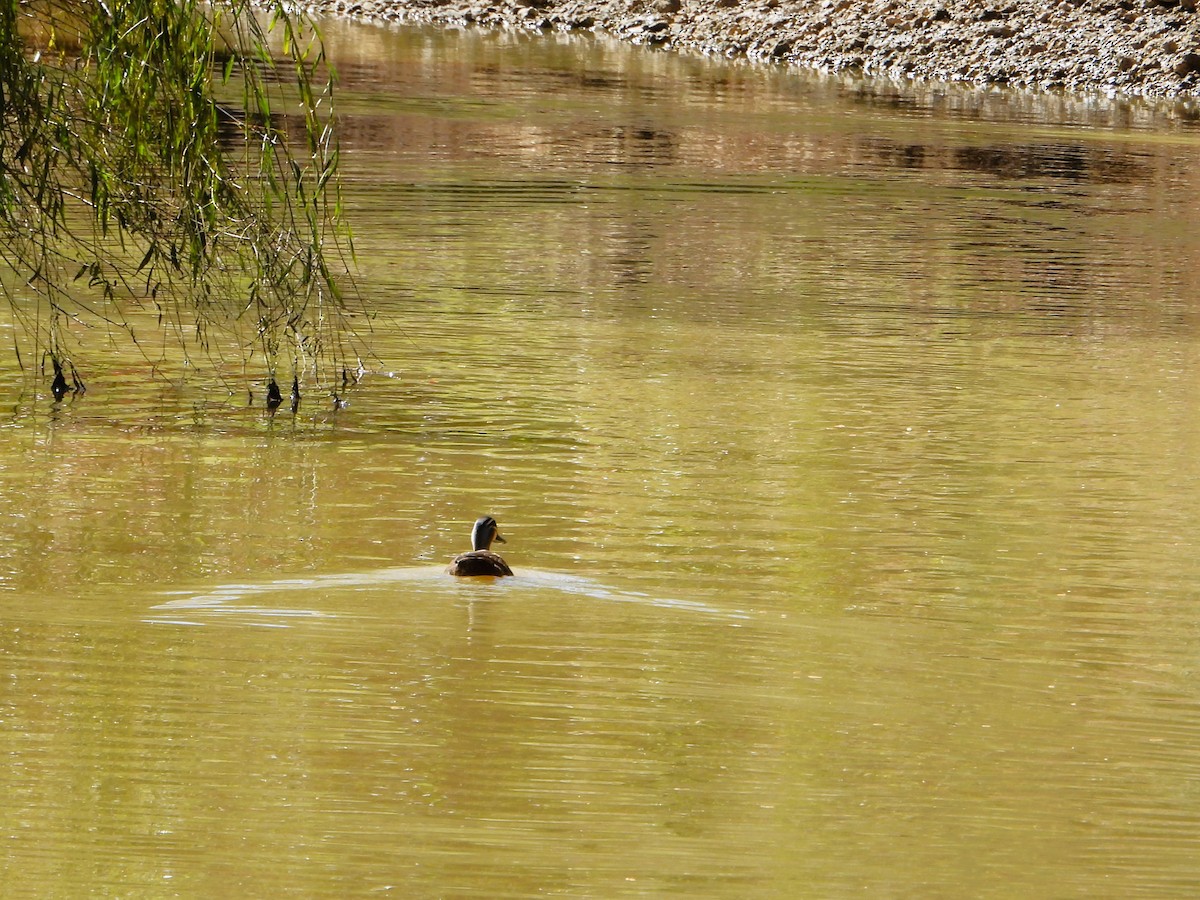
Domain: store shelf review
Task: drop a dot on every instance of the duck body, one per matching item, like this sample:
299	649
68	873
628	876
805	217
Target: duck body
481	560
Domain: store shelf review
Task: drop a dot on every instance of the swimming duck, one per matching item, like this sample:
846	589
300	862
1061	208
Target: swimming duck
481	560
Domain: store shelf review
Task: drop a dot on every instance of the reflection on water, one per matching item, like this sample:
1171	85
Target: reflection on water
843	437
232	599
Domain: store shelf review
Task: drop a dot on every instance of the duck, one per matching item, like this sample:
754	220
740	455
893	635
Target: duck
481	560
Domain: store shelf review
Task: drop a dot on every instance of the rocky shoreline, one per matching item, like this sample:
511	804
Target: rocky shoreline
1130	47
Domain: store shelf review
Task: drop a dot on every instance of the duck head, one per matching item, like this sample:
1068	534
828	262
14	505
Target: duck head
485	531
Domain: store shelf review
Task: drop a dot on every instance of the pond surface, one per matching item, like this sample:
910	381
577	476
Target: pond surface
844	436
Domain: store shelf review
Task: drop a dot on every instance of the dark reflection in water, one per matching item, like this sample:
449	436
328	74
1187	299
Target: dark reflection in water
631	145
1063	162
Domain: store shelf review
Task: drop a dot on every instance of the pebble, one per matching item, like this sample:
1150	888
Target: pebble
1134	47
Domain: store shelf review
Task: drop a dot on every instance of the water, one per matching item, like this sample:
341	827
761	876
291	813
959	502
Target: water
843	436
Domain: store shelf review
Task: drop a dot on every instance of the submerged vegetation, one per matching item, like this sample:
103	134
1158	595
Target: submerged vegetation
168	177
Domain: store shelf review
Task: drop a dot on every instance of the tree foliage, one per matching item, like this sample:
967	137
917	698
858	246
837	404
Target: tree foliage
171	162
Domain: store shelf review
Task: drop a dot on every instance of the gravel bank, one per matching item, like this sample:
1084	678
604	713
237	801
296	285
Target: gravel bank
1147	47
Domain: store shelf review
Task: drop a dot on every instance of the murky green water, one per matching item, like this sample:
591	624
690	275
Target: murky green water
845	442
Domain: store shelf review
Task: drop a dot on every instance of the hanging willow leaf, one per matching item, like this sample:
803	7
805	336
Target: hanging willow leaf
126	148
